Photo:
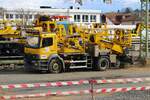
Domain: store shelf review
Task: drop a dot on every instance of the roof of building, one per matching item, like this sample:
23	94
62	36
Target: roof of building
55	10
118	18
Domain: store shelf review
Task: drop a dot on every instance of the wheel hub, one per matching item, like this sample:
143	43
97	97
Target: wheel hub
103	64
55	66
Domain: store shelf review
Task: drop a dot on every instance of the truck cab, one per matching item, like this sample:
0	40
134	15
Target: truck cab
38	50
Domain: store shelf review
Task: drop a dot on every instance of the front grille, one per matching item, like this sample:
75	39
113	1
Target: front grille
31	57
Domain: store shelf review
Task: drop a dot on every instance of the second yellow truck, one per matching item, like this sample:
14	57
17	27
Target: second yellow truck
59	45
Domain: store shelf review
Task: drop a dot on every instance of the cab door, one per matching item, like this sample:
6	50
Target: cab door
49	46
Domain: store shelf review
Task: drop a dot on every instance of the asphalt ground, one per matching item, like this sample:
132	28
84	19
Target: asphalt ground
131	95
20	76
72	88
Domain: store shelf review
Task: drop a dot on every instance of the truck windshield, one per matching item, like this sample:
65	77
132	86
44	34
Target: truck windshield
33	42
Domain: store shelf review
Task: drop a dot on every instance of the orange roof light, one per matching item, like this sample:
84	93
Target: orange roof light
60	17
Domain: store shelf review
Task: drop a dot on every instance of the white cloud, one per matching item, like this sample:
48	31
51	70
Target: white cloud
127	3
31	3
87	4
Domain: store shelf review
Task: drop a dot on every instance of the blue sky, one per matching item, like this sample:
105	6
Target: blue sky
87	4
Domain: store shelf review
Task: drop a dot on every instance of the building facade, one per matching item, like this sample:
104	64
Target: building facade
76	15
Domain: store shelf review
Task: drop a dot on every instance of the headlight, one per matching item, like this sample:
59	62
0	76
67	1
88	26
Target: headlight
36	64
43	56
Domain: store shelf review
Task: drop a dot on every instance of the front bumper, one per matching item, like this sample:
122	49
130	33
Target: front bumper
36	64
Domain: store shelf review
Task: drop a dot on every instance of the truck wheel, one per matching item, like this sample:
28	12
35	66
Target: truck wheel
55	66
103	63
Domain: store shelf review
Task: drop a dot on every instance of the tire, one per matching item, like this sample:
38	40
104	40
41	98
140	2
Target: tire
55	66
103	63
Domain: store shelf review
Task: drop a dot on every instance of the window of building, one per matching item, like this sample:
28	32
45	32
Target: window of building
21	16
11	16
26	16
103	18
30	16
85	18
17	16
77	18
7	16
93	18
35	16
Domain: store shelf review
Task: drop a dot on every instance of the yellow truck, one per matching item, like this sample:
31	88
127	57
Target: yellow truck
61	45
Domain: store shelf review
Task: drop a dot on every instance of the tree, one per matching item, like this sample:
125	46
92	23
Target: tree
118	11
107	1
127	10
137	10
79	2
2	12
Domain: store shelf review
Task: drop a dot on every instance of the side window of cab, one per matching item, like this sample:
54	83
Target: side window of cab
47	42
